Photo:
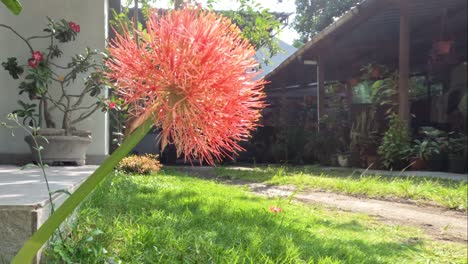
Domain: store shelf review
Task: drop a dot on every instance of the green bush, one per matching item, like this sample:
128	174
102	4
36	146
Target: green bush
395	144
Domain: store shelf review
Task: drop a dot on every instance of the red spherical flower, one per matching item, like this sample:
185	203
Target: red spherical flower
37	56
32	63
275	210
190	72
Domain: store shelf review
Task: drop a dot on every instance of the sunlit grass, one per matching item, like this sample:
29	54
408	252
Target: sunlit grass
172	218
447	193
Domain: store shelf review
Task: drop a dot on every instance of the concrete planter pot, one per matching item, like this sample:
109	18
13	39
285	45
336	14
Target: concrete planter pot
61	149
344	160
417	164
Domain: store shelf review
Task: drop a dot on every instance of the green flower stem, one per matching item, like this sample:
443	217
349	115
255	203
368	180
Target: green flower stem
40	237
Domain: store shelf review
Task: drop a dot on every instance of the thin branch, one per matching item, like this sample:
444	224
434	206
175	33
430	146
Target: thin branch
21	37
60	67
59	105
38	37
82	108
85	115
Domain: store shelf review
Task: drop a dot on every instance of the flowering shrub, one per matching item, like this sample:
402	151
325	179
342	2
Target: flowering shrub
47	84
190	71
146	164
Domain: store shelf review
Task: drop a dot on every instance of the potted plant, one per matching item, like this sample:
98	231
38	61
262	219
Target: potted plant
336	123
344	159
48	86
395	144
420	152
343	156
458	150
436	160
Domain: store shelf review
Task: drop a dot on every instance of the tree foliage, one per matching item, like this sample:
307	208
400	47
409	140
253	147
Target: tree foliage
312	16
258	24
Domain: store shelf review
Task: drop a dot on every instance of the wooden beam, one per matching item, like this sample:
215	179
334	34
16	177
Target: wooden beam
320	90
404	62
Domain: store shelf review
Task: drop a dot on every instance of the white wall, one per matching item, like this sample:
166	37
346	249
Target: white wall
91	15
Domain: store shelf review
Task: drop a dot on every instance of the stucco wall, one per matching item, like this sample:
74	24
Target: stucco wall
91	15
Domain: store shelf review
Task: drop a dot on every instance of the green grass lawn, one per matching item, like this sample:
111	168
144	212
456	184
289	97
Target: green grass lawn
447	193
172	218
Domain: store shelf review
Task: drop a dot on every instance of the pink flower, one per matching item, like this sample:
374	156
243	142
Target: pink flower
32	63
275	209
75	27
111	105
37	56
189	71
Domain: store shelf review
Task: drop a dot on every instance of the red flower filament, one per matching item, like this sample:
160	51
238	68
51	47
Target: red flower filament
191	72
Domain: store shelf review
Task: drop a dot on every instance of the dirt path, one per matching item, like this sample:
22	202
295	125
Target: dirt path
439	223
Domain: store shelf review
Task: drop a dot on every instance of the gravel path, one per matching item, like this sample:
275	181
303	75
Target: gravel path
439	223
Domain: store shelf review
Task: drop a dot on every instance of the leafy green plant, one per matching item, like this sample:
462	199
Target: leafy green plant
322	146
395	144
85	246
384	92
145	164
27	113
457	144
424	149
364	132
432	143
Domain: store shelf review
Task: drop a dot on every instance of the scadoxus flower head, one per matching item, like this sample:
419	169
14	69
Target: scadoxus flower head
190	72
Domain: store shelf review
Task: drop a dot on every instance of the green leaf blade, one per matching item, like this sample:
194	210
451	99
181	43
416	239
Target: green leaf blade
40	237
13	5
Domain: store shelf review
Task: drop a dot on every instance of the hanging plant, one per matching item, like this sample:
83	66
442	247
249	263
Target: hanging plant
442	47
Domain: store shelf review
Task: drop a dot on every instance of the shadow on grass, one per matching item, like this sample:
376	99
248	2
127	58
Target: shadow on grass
187	223
266	173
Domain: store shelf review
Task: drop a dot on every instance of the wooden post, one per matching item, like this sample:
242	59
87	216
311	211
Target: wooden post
320	90
404	63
